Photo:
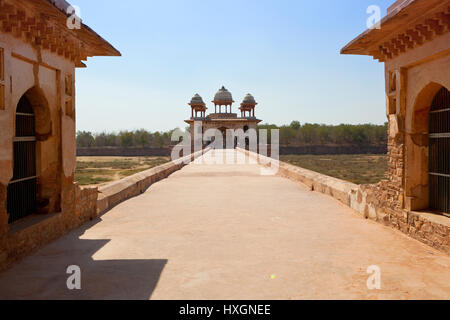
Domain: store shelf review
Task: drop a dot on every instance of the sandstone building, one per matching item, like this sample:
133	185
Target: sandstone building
38	57
223	117
414	44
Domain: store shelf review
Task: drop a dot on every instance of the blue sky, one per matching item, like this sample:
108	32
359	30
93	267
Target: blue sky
284	52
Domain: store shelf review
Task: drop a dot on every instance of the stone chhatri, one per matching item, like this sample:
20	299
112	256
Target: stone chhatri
223	120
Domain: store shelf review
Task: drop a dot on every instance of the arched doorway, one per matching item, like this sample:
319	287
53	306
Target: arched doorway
439	152
22	189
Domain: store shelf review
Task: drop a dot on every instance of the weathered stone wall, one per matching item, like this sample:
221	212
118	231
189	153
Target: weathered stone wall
393	187
376	202
85	204
373	202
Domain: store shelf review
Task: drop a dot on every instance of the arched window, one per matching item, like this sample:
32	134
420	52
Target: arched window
22	190
439	152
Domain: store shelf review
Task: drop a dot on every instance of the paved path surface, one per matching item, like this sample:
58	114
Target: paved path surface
226	232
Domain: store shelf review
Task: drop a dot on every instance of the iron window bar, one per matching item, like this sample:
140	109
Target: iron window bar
439	174
24	139
24	114
441	110
440	135
22	180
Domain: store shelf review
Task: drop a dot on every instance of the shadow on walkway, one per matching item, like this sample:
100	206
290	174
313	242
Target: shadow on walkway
43	274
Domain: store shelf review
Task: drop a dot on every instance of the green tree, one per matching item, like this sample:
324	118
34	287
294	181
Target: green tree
126	138
142	138
295	125
85	139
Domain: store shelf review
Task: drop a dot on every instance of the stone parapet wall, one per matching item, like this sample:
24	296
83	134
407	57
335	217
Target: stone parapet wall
85	203
115	192
338	189
376	202
284	150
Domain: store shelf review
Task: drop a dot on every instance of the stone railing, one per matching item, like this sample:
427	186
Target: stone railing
338	189
115	192
370	201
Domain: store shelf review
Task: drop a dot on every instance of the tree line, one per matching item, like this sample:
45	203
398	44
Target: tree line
128	139
294	134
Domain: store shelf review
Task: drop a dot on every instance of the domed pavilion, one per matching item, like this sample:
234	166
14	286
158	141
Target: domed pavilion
223	117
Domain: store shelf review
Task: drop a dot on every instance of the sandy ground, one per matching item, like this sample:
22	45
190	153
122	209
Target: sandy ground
110	173
227	232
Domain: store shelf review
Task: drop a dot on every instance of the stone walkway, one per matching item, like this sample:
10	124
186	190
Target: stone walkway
227	232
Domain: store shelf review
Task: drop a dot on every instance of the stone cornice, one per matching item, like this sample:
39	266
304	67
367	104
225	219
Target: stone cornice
404	29
41	24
